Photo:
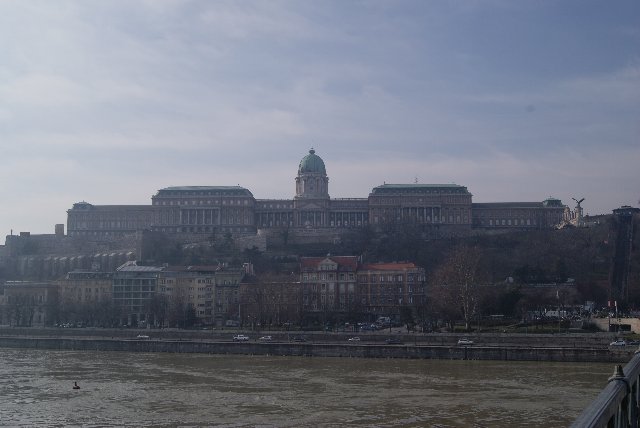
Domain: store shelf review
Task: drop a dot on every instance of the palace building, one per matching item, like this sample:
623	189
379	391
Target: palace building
234	209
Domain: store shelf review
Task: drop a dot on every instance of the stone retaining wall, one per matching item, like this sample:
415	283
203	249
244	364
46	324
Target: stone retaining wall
572	340
419	351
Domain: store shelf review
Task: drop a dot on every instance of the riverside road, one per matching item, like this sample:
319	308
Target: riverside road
592	347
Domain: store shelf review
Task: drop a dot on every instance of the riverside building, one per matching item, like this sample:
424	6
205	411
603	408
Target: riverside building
342	285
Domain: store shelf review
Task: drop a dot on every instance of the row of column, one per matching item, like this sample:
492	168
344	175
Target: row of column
425	214
340	219
311	218
271	219
200	216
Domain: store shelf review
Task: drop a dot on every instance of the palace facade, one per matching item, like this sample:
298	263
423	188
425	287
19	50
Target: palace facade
234	209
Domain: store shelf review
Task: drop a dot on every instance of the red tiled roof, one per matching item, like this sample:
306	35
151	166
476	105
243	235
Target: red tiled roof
388	266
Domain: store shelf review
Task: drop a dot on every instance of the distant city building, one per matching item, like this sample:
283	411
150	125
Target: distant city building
164	295
227	295
188	287
28	304
519	215
385	287
82	287
234	209
134	288
329	284
341	285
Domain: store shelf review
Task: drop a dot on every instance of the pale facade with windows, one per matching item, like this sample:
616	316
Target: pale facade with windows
28	304
519	215
85	287
385	287
133	289
341	284
211	291
190	287
328	283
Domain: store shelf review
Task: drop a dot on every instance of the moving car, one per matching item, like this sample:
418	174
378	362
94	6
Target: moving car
465	341
240	338
142	336
354	339
394	341
265	338
618	342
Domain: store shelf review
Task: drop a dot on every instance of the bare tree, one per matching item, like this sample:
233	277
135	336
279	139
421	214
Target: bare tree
271	299
177	312
22	307
458	281
157	309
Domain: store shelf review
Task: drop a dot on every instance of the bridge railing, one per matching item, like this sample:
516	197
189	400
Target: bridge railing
617	405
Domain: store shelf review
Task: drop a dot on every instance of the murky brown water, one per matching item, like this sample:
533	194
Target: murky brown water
168	390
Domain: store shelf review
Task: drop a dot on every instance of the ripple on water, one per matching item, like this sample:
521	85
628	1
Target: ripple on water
157	390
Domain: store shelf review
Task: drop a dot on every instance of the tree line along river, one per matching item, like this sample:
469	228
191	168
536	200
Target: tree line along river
168	390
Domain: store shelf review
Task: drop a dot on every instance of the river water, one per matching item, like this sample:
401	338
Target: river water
169	390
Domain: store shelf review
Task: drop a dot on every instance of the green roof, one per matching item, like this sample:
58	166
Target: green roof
228	190
418	188
312	163
198	188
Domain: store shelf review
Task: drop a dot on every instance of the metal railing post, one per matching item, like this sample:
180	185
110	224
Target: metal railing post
617	405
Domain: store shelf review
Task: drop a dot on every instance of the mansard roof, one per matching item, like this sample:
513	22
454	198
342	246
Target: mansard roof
389	266
509	205
418	188
229	190
133	268
198	269
85	206
349	263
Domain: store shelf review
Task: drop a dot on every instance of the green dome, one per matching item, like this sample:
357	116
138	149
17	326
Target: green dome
312	163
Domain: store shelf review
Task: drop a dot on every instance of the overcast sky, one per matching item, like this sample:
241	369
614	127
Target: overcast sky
109	101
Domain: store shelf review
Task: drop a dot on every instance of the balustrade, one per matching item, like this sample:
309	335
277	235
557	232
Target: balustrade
617	405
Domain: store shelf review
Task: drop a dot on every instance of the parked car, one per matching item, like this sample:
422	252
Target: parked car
300	339
465	341
394	341
633	342
240	338
618	342
265	338
142	336
354	339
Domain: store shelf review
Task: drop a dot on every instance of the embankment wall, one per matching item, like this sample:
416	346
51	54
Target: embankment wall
415	351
